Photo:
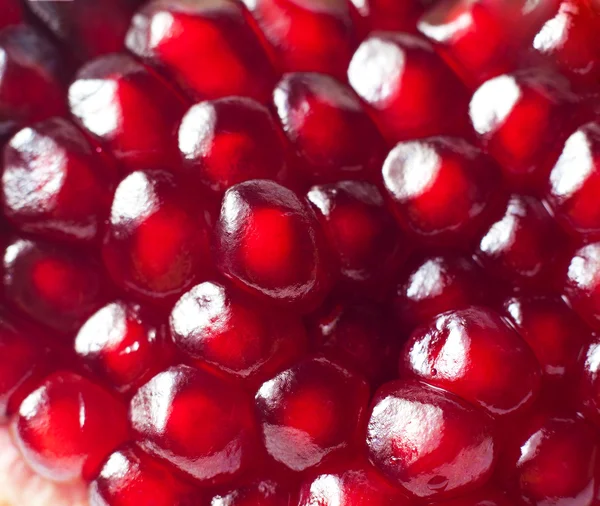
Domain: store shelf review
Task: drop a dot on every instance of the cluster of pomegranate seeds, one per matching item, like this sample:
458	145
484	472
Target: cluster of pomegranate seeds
303	252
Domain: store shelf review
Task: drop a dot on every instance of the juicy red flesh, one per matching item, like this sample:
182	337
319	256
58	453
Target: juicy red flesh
258	493
12	13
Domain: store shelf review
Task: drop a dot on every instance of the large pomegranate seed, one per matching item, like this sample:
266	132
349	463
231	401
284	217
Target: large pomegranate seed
259	493
440	188
12	13
434	284
582	284
358	336
408	90
575	180
552	461
227	141
87	28
553	331
483	39
228	330
328	129
316	36
68	426
129	111
522	245
200	423
122	344
311	413
360	231
157	241
47	169
268	242
208	49
589	380
388	15
31	87
353	484
476	355
429	441
129	477
521	119
24	356
52	285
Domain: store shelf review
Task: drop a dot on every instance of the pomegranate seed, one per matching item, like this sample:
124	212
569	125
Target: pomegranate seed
434	284
201	424
157	241
388	15
521	119
122	345
553	331
129	477
523	244
328	129
31	87
552	461
52	285
268	242
408	90
352	484
317	35
129	111
455	454
361	232
476	355
206	48
231	140
24	356
47	168
574	181
239	336
582	284
68	426
311	413
261	493
440	188
589	384
483	39
12	13
86	27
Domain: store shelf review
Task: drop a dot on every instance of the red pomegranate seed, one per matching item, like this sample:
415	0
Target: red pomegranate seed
328	129
24	356
260	493
582	284
312	413
157	241
454	454
129	111
476	355
206	48
521	120
268	242
589	380
522	245
129	477
388	15
68	426
440	188
488	496
200	423
231	140
408	91
315	35
12	13
483	39
47	169
361	233
552	461
123	345
575	180
52	285
359	336
434	284
86	28
352	484
31	87
214	324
